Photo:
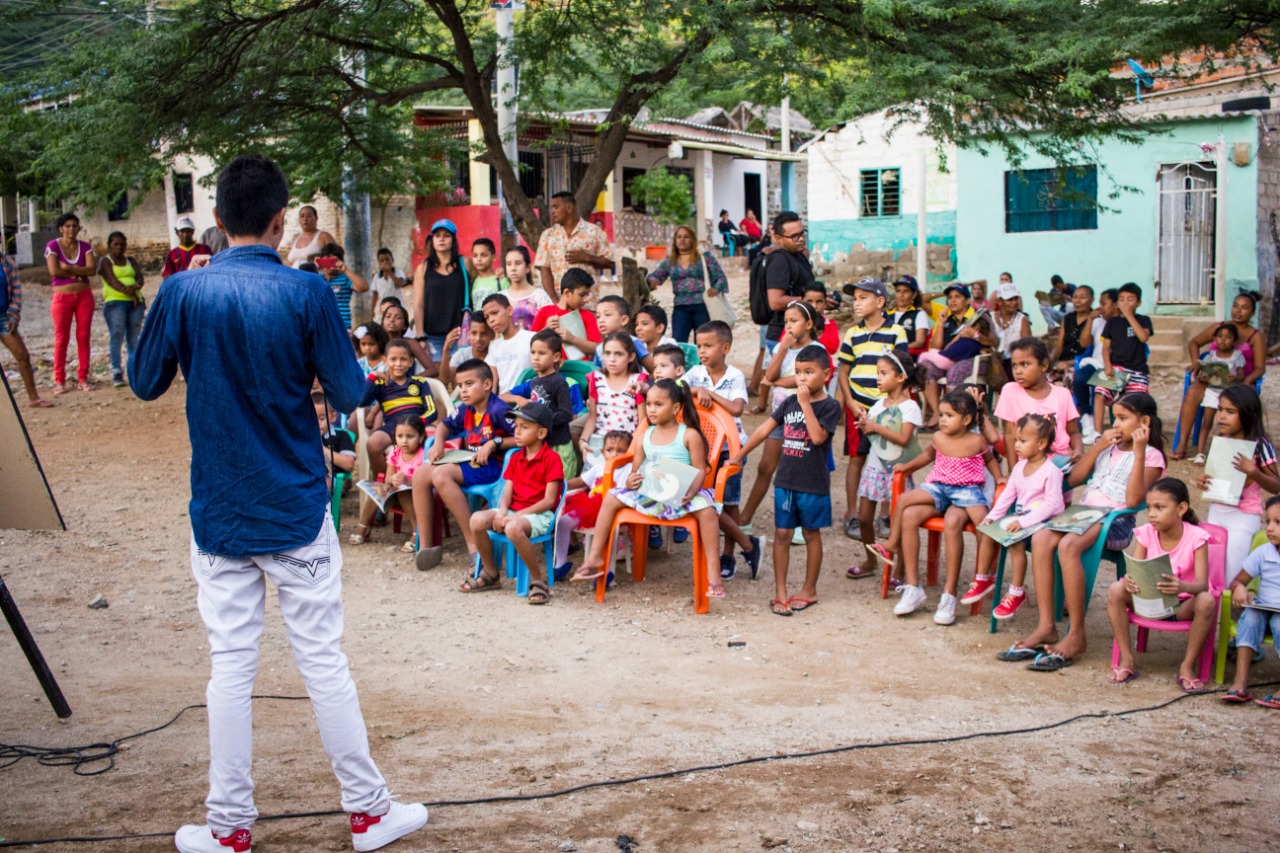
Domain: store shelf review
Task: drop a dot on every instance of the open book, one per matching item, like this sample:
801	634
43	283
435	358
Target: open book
1217	374
1149	602
1225	482
1052	297
1076	518
1000	533
1270	608
1114	384
380	493
667	481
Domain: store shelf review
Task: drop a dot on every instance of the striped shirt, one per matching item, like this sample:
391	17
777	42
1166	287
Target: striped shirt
410	398
861	349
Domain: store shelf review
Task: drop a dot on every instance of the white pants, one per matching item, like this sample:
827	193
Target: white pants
231	596
1240	528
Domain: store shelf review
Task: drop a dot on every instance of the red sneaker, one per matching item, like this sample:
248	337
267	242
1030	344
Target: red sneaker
979	590
1009	605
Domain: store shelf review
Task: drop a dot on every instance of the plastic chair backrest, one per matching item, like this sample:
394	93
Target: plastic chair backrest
1217	557
578	371
444	403
690	355
527	376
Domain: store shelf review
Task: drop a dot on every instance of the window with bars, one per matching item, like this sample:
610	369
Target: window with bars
1051	199
881	192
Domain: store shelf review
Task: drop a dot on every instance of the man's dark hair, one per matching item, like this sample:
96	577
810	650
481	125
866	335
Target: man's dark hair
333	250
719	328
477	365
814	354
498	298
1130	287
673	352
624	307
782	219
575	279
251	191
567	196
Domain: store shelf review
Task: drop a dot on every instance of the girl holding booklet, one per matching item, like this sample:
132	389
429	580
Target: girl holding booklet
402	460
1116	472
1240	418
1033	495
1172	532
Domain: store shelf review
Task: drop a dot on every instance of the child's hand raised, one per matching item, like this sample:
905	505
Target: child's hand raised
979	395
452	338
803	394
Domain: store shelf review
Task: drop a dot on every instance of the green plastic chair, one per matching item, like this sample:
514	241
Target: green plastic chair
1226	623
340	480
690	356
577	371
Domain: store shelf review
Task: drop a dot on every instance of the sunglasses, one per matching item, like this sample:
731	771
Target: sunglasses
795	236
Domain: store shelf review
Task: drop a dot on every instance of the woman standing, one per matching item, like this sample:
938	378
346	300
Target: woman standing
1251	345
70	262
440	289
693	275
309	243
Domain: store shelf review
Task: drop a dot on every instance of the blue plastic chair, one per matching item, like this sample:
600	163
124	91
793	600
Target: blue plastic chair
691	359
510	557
1195	426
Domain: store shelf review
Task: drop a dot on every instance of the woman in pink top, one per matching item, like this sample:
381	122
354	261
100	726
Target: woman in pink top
71	262
1033	495
1031	393
1172	531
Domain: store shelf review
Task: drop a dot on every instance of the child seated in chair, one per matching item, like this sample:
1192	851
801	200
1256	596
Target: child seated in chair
403	461
399	394
339	449
1252	624
527	507
481	424
583	505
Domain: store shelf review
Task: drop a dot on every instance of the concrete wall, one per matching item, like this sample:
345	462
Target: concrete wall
1123	246
728	188
1268	228
858	245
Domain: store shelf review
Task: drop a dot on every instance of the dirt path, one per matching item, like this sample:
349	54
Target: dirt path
478	696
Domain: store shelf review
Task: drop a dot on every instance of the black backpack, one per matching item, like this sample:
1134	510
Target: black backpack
758	292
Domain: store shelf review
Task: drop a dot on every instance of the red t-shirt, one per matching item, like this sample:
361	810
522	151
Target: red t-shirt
830	337
529	477
588	318
179	258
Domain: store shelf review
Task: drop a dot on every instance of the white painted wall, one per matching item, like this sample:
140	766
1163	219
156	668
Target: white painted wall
728	189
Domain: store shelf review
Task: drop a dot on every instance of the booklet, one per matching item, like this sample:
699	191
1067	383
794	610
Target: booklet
1225	482
1076	518
1217	374
573	324
1000	533
1148	601
452	457
1114	384
1270	608
891	418
667	481
1054	298
380	493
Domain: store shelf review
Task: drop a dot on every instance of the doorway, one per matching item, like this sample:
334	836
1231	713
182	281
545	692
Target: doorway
752	196
1187	194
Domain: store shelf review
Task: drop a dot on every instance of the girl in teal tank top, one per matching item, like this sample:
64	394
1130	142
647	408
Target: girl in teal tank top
122	303
666	438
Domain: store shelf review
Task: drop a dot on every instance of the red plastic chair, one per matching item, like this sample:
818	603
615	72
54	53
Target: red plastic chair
718	427
1217	583
934	527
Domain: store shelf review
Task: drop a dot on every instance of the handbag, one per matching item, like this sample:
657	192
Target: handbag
718	307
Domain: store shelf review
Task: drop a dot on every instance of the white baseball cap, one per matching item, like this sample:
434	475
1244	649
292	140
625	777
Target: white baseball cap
184	222
1007	290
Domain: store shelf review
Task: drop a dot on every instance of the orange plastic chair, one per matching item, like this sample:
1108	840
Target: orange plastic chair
934	527
720	430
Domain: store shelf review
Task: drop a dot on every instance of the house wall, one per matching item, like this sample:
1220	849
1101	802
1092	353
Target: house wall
1123	246
1268	227
728	188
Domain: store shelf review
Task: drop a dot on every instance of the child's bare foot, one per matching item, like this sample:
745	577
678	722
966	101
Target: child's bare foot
866	569
1038	638
1070	647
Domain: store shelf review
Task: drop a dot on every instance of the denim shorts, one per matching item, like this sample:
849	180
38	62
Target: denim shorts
732	486
945	496
1251	627
4	324
792	509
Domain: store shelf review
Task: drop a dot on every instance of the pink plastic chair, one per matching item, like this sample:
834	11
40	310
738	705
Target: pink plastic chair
1217	582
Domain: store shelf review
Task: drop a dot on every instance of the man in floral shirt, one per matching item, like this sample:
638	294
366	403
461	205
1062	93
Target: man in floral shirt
571	242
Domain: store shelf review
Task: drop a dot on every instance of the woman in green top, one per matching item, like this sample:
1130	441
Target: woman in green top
122	303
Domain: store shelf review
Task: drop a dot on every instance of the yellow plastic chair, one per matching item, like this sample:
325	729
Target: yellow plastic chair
1226	623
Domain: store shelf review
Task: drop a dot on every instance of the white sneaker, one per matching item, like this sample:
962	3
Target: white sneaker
946	612
200	839
912	597
370	833
1088	434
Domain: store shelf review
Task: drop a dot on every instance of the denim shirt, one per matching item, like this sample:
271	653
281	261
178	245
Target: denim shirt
257	467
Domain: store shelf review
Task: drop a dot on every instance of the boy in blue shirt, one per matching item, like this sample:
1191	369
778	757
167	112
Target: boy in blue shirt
1263	563
482	425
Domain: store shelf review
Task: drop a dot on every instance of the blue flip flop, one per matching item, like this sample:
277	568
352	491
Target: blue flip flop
1018	655
1049	662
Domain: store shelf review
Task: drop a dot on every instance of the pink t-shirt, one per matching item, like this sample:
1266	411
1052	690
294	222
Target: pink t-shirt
1031	498
1183	555
1015	402
396	460
1109	481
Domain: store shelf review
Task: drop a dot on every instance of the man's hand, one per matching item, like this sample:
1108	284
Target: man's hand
199	261
577	256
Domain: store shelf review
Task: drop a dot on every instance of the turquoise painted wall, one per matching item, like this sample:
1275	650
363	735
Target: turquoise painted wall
1123	247
898	233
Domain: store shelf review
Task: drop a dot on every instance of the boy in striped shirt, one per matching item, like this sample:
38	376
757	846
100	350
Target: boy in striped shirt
864	342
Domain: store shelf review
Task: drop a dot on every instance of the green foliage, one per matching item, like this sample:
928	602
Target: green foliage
665	196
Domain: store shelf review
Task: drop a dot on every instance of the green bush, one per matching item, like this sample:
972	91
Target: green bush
666	197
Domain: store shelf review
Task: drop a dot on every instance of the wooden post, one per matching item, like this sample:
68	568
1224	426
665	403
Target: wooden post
633	276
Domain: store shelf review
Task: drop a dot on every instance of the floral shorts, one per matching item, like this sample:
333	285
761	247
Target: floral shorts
877	480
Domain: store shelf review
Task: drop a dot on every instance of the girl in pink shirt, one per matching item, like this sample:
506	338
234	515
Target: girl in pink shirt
1033	495
1173	531
1031	393
403	459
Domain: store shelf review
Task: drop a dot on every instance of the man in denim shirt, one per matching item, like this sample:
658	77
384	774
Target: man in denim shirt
259	505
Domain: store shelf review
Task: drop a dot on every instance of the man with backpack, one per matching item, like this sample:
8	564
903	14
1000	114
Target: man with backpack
780	277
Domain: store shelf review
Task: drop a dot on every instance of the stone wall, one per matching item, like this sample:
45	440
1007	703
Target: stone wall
860	262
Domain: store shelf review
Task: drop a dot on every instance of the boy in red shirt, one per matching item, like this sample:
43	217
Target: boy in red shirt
527	507
580	344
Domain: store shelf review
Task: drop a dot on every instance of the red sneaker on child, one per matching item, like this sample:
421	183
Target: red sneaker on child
1009	605
980	589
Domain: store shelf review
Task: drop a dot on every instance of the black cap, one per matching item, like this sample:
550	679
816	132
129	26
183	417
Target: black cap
537	413
870	285
909	281
962	289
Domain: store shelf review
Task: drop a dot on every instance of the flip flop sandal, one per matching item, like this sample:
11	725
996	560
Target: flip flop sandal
881	553
1050	662
1191	685
59	389
1122	675
1016	654
1270	702
779	607
1236	697
579	577
539	593
857	573
715	590
796	603
408	547
483	583
40	404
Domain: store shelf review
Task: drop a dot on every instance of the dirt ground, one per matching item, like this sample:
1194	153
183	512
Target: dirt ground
477	696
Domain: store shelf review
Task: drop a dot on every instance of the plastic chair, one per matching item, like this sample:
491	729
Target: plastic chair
1217	571
934	527
718	427
1226	621
1195	425
690	356
340	481
515	566
444	403
1091	559
575	370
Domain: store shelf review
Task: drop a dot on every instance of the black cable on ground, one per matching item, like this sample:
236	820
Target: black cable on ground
587	786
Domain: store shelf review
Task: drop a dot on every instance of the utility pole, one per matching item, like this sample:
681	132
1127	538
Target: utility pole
506	24
357	224
788	167
922	218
